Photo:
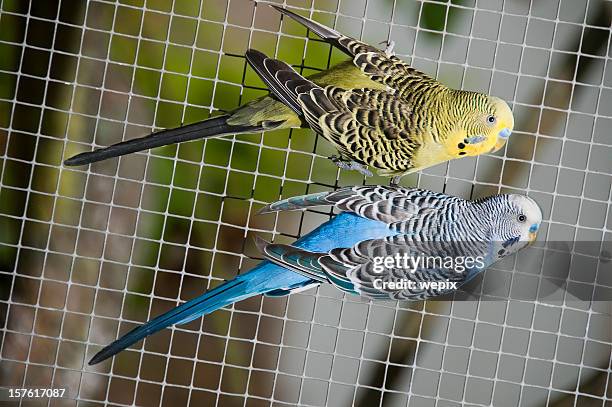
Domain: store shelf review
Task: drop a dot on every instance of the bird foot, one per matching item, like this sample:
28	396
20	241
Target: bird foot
389	48
351	165
395	181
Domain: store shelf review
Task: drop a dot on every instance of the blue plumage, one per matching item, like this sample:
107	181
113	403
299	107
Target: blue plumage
375	221
265	278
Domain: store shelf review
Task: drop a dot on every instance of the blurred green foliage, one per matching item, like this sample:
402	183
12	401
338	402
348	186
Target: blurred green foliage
440	17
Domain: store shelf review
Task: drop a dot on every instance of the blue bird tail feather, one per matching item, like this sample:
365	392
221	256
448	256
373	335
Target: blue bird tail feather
212	300
265	278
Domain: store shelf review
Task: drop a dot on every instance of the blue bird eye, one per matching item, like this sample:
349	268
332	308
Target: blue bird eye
522	218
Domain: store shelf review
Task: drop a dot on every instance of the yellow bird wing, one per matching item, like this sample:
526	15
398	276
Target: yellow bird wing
386	69
369	126
268	109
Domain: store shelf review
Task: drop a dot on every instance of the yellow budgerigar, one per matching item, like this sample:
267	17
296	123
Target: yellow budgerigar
375	109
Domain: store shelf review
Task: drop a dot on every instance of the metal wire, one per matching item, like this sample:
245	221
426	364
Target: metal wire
88	253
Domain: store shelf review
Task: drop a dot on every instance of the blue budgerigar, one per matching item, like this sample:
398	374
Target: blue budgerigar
364	250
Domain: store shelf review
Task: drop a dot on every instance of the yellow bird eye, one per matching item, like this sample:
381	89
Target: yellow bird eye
491	120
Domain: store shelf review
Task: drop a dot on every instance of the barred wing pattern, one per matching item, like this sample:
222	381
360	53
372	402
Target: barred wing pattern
368	126
379	66
281	79
393	205
418	216
354	270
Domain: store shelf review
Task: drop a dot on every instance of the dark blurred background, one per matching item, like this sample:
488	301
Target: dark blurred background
88	253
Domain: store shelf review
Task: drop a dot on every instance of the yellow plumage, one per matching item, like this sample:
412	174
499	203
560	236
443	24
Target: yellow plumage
344	75
375	109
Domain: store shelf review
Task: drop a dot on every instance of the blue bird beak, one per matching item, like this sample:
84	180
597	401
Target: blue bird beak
504	134
533	232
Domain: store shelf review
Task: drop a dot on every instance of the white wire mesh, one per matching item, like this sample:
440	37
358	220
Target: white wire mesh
90	253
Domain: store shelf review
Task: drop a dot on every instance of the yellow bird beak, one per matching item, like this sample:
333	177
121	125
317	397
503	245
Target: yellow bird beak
533	233
502	138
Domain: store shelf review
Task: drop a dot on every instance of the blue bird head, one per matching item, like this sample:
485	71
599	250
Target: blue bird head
516	223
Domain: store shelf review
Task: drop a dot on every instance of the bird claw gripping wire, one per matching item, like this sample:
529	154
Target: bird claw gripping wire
351	165
395	181
390	46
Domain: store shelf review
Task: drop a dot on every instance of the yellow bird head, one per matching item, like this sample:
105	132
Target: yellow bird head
500	122
485	123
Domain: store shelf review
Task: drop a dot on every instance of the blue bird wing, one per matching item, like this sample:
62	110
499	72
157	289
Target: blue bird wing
355	269
386	204
373	216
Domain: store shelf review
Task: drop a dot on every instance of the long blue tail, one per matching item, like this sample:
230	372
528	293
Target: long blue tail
204	304
263	278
